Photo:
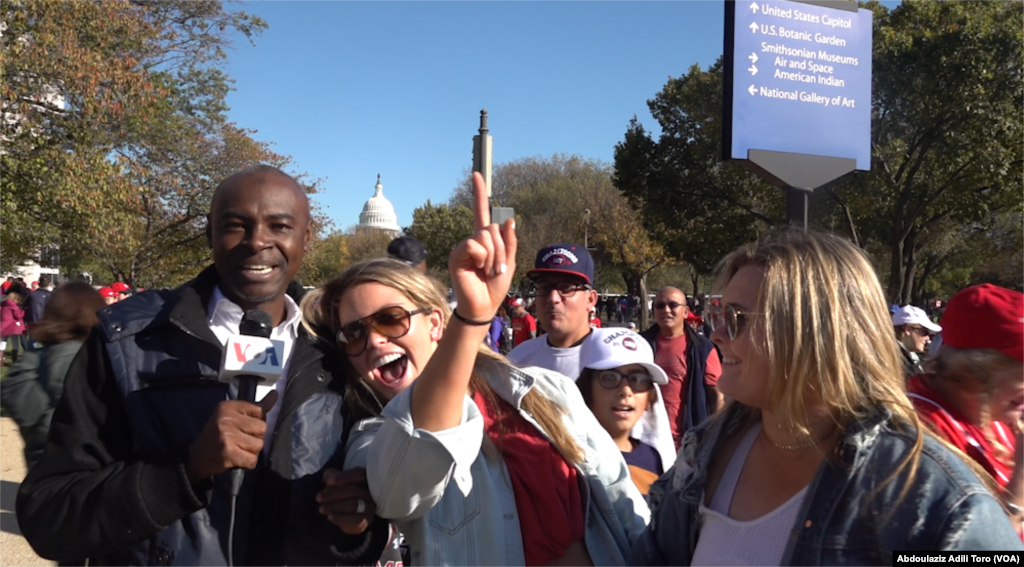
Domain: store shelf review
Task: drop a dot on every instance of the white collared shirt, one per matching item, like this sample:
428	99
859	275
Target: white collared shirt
224	316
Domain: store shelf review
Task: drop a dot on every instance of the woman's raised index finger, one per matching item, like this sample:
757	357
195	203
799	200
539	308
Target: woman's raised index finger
481	204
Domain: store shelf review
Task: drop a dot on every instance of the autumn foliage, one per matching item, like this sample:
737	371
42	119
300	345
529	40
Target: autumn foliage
114	132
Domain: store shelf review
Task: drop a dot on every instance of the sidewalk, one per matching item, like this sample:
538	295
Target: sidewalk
14	550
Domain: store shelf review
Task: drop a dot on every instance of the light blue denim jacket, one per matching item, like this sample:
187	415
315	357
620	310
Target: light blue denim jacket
456	506
852	514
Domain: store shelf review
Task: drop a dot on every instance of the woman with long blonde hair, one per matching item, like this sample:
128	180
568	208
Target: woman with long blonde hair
819	457
478	462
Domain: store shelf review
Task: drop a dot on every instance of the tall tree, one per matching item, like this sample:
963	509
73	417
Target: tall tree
697	206
115	131
572	199
160	238
326	257
946	129
440	228
621	238
365	245
548	197
947	121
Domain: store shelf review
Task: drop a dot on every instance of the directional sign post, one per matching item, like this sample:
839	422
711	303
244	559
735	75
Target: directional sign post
797	94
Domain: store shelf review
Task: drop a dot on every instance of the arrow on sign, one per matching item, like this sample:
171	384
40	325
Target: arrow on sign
753	7
752	57
753	27
753	70
752	90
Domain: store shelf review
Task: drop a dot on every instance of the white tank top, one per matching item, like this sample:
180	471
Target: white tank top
725	541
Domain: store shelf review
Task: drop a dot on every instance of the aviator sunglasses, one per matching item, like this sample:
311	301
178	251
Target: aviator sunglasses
392	322
732	319
638	381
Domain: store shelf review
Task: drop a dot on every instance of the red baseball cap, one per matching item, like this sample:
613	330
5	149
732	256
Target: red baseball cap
118	287
107	292
985	316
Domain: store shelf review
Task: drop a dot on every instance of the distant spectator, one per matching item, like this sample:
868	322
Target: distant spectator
109	295
913	331
33	387
972	394
12	326
19	287
524	325
689	360
36	302
410	251
122	290
6	285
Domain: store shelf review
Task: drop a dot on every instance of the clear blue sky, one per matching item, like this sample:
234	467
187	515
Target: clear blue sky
352	89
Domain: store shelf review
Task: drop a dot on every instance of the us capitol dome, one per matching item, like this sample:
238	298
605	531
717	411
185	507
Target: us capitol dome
378	213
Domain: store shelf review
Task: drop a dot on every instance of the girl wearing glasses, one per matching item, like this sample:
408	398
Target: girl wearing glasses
618	385
477	462
818	458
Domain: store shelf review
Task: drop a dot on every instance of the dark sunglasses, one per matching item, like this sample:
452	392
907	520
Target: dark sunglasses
565	289
638	382
673	305
732	319
392	322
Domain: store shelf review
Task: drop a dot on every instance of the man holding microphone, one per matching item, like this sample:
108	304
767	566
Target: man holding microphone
133	471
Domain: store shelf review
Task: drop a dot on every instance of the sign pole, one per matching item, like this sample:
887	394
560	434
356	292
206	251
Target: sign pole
796	206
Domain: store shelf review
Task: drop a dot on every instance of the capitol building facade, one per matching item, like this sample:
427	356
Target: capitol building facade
378	213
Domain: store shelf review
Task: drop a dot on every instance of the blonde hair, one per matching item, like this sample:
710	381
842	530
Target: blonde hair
827	330
321	318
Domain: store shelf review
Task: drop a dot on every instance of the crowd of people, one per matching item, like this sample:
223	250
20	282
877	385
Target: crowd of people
24	305
783	425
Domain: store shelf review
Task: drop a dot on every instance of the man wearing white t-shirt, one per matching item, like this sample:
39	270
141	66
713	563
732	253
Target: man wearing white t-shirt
563	276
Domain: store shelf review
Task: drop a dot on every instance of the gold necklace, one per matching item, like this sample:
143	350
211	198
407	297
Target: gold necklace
787	447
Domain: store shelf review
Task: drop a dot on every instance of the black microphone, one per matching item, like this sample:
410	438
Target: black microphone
255	323
251	358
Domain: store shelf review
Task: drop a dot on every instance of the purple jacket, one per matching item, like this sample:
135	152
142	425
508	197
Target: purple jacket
12	319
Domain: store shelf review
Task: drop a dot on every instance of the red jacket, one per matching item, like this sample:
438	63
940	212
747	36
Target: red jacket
12	319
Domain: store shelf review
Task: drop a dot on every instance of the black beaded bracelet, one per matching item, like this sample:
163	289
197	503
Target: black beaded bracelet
469	321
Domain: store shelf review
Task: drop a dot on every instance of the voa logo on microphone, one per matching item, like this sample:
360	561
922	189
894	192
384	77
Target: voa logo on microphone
261	355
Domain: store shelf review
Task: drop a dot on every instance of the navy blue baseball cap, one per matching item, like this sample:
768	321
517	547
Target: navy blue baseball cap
563	258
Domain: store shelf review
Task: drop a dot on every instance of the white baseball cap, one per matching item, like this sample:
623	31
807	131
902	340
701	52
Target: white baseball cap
613	347
910	315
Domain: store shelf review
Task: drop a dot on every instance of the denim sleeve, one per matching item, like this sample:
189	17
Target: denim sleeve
979	523
409	469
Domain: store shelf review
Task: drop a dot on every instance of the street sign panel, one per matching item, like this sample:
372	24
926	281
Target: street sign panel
800	79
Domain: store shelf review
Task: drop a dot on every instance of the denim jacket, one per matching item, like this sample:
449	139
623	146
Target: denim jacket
455	503
851	514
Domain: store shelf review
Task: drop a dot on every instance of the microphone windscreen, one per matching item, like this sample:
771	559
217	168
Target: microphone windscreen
256	323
